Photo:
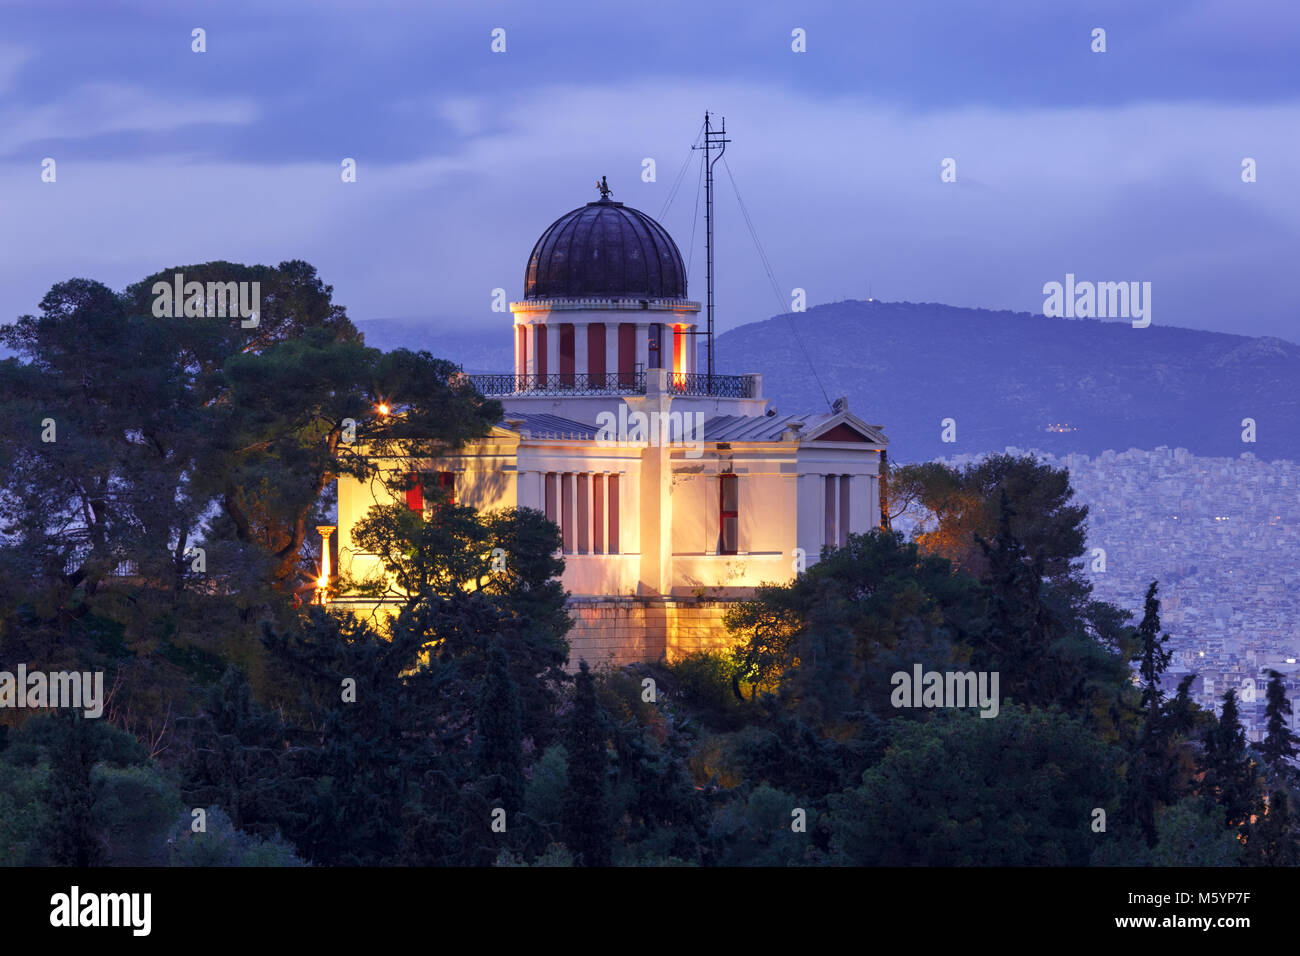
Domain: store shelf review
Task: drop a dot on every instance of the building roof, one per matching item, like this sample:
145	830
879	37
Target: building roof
534	425
608	250
719	428
728	428
750	427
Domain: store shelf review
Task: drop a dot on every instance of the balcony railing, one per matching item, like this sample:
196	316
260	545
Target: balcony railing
615	383
559	383
715	385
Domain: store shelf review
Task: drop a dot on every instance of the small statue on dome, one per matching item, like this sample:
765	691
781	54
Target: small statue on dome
603	186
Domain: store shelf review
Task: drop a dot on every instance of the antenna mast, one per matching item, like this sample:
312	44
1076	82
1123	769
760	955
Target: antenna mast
713	139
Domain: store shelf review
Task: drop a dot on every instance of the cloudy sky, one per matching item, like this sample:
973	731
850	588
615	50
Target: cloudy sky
1123	165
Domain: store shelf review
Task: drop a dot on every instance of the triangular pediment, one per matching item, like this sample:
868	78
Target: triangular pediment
845	427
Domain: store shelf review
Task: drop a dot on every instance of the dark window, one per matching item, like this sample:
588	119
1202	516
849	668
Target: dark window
566	353
655	348
596	351
728	522
539	333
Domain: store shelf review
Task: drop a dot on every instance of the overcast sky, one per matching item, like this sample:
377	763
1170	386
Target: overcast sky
1123	165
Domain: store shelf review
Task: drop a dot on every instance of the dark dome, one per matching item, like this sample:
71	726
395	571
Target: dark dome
605	249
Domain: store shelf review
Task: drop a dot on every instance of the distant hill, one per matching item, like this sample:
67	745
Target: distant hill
1007	376
1004	376
476	352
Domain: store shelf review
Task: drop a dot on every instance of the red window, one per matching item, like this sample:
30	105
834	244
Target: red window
596	352
548	489
415	493
539	334
626	354
728	522
445	481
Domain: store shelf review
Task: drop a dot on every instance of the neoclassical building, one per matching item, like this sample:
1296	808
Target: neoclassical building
676	492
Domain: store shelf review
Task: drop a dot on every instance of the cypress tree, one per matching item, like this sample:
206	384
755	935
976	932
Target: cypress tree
1153	655
1279	741
1229	771
1182	709
1273	838
1155	762
72	836
587	822
498	744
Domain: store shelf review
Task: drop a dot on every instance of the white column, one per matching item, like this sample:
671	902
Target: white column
629	511
643	344
530	349
712	512
571	505
611	348
518	357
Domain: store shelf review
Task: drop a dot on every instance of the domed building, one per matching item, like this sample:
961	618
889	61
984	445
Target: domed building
676	491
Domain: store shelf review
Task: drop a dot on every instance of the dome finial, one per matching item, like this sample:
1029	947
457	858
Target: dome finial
605	191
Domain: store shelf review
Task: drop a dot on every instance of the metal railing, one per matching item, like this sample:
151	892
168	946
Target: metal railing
715	385
614	383
561	383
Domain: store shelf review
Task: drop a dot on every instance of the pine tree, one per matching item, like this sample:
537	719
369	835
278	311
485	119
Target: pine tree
1279	741
589	828
498	746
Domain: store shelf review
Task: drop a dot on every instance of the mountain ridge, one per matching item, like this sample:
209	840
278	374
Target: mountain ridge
1004	377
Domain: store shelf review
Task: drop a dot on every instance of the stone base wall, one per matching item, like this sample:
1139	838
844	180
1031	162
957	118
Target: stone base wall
630	630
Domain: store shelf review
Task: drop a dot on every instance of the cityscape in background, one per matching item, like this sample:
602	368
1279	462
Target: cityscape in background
1221	535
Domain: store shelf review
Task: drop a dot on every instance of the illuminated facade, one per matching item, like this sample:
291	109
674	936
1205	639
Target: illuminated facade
676	492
